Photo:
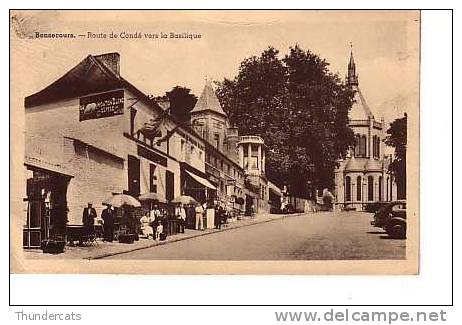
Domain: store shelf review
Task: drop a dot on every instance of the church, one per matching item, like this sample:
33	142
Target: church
363	176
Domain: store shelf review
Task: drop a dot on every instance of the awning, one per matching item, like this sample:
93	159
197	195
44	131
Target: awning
201	180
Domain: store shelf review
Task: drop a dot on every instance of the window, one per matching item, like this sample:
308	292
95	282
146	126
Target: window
358	188
216	140
347	188
357	141
363	146
152	178
370	188
378	147
132	120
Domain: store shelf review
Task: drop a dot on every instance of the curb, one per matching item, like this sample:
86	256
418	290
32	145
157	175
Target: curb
215	231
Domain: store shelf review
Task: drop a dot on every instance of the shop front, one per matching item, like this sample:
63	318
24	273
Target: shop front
197	186
46	204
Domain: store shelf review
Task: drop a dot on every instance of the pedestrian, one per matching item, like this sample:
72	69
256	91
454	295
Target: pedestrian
219	216
199	217
252	211
328	200
181	216
108	226
88	219
159	230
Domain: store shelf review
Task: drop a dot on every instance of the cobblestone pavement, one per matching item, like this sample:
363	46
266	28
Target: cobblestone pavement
320	236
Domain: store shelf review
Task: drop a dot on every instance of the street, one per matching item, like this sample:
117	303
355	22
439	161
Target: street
320	236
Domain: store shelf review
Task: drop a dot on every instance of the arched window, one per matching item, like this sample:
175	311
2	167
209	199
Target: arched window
363	146
357	140
358	188
378	147
370	188
347	188
380	188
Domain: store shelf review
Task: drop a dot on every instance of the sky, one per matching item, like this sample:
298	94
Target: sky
385	47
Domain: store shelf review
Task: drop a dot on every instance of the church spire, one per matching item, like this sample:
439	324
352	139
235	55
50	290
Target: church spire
352	77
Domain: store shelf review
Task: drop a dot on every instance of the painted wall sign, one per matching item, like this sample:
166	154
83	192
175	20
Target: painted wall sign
101	105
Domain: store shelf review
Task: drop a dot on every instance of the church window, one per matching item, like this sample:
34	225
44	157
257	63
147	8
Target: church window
347	188
357	141
358	188
370	188
363	147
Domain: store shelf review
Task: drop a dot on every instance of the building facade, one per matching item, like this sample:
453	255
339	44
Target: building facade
92	134
363	176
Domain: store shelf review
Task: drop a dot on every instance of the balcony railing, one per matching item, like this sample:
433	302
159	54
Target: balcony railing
251	138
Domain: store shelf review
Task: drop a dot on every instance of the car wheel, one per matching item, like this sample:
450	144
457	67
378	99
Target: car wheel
397	230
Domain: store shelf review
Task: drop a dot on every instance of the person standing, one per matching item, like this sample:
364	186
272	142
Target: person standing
199	217
181	215
88	219
108	227
219	216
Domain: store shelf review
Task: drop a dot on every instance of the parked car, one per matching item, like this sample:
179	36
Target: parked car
374	206
392	218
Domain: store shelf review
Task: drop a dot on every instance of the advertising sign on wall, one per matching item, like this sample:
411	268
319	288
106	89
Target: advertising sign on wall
101	105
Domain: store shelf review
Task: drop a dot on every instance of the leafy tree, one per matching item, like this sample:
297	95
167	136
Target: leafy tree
181	102
299	108
397	138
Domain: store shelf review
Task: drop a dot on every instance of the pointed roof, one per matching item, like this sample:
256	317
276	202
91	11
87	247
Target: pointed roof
208	101
88	76
360	110
95	73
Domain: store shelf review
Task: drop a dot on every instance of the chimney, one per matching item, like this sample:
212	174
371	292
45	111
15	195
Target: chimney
111	61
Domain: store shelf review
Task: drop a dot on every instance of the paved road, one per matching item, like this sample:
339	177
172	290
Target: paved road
321	236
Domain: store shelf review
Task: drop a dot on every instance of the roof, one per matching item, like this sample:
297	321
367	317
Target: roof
208	101
353	165
91	75
373	165
360	109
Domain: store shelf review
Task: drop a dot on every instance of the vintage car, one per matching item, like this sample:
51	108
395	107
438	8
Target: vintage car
392	218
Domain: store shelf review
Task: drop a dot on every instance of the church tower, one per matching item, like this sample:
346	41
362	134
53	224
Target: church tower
362	177
352	77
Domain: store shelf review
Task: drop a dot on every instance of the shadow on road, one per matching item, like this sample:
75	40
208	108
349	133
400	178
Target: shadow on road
376	232
388	237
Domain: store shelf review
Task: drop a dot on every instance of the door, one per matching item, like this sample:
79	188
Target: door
133	176
169	185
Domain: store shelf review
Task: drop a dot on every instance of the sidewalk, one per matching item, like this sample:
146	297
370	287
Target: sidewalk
104	249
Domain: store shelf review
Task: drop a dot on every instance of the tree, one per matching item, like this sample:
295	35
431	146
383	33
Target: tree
181	102
397	138
299	108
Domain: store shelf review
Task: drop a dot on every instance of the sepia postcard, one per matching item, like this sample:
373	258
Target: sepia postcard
214	142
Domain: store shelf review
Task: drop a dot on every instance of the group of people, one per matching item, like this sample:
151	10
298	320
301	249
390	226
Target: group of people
108	215
153	220
151	223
